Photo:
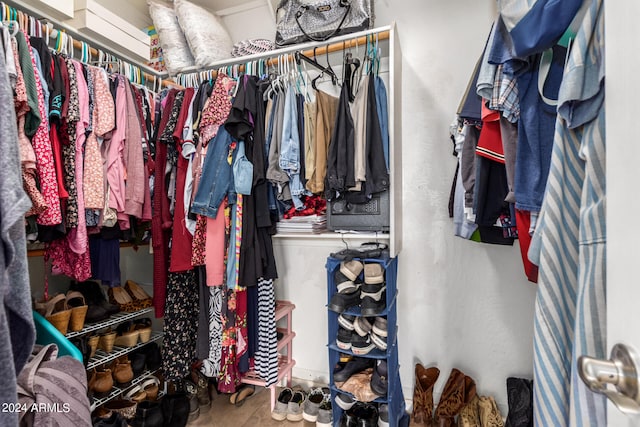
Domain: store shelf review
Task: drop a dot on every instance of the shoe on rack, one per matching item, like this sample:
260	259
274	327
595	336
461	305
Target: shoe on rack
294	407
107	340
119	296
122	372
114	419
383	415
362	326
279	412
355	365
143	326
361	345
138	361
100	383
373	273
351	269
311	405
379	378
56	311
342	301
325	414
346	321
380	327
140	298
344	401
127	335
93	341
343	339
379	342
99	309
343	283
154	356
374	299
151	387
366	414
79	308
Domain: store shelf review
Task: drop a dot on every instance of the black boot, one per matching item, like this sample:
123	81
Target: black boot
175	409
114	420
520	399
148	414
154	358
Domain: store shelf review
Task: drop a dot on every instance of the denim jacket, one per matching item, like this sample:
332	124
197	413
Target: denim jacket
217	175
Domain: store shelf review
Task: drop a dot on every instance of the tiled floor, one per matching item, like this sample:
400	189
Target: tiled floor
256	412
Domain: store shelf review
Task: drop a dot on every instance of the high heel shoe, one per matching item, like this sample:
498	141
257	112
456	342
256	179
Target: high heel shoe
126	335
117	295
78	306
106	341
141	299
56	312
144	327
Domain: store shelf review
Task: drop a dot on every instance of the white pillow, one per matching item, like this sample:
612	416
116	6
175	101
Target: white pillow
175	49
207	37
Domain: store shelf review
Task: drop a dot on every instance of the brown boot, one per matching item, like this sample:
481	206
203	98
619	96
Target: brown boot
101	383
423	395
458	392
469	415
490	415
122	372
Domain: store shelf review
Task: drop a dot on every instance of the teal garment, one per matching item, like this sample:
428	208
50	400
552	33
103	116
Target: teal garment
569	243
32	119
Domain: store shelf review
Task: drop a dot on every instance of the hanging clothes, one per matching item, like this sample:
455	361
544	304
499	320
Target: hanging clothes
570	310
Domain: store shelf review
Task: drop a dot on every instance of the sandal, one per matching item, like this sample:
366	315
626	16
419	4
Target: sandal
151	387
144	327
127	335
78	306
240	396
56	312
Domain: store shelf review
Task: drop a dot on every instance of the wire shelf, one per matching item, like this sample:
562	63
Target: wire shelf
113	320
102	357
117	391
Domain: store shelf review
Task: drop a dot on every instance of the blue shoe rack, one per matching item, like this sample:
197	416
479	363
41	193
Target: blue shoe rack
394	397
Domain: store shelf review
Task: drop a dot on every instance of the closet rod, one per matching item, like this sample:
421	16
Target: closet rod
150	74
320	49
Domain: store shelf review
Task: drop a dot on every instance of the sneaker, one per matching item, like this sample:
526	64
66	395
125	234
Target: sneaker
362	326
325	414
343	283
343	339
344	401
346	321
379	382
351	269
379	342
373	273
312	404
383	415
361	345
380	327
342	372
374	299
340	302
294	408
279	412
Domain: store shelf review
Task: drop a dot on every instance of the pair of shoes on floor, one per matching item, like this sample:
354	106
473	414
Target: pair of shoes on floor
361	334
241	394
317	407
289	405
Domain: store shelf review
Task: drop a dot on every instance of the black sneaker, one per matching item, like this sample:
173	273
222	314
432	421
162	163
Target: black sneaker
361	345
378	341
346	321
343	283
379	382
366	414
342	372
380	327
362	326
340	302
343	339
